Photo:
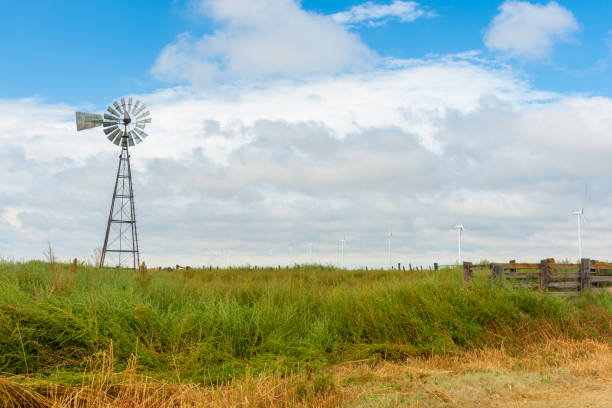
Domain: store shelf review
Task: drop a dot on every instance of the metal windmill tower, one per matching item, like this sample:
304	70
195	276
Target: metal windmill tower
123	124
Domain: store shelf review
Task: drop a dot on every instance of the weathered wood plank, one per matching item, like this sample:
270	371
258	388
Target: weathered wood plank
522	275
601	265
567	284
520	266
564	266
601	278
556	276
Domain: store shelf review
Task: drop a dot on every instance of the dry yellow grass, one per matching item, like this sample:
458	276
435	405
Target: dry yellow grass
558	374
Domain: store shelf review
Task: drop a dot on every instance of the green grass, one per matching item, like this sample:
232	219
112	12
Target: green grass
194	325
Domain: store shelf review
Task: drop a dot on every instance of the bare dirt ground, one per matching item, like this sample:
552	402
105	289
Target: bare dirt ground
563	374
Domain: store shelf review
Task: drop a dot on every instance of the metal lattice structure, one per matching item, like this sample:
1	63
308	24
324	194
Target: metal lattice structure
123	124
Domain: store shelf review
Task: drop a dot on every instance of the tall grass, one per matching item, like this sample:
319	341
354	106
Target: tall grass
213	325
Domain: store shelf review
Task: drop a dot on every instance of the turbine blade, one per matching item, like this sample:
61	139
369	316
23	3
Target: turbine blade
114	112
129	105
87	120
110	129
111	117
142	108
113	135
131	141
136	138
117	139
140	125
141	133
123	105
118	107
135	106
144	115
147	120
109	123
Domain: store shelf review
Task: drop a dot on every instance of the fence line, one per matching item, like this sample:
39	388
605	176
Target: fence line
548	276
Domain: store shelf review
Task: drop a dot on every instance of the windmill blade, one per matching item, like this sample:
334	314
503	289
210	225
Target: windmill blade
131	141
113	112
111	118
140	133
144	115
129	105
87	120
113	135
118	107
117	141
135	106
147	120
123	105
110	123
110	129
137	111
135	137
140	125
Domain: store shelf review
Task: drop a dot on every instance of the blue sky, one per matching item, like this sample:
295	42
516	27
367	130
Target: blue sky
87	51
277	124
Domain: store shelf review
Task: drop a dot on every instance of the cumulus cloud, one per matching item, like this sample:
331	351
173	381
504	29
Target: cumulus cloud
243	174
523	29
373	13
257	39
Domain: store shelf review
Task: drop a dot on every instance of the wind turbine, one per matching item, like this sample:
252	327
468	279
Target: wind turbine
459	228
579	213
389	247
342	242
310	252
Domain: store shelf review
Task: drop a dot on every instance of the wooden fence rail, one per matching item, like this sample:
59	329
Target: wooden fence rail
550	277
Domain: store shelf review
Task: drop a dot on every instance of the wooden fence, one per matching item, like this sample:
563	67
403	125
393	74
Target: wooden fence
550	277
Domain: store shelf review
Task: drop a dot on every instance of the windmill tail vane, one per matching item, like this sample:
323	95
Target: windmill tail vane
123	123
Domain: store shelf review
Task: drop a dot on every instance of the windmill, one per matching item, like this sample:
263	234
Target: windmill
459	228
123	123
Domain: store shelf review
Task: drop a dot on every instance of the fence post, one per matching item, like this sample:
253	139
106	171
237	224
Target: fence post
435	266
512	270
467	272
585	274
498	273
544	274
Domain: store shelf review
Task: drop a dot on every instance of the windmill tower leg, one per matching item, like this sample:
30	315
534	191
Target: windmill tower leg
121	238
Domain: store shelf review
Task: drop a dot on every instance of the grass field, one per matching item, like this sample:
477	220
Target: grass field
275	337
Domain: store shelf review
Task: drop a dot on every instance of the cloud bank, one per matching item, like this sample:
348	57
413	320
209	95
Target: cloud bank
245	173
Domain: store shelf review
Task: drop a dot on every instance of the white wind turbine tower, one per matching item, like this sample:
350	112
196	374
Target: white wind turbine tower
342	242
389	247
459	228
579	213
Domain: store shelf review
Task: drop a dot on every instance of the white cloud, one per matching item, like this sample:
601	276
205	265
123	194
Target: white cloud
374	13
528	30
250	170
260	39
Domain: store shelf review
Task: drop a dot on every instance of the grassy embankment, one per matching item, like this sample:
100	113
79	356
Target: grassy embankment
58	322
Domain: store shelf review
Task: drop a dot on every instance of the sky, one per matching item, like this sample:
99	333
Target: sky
281	126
